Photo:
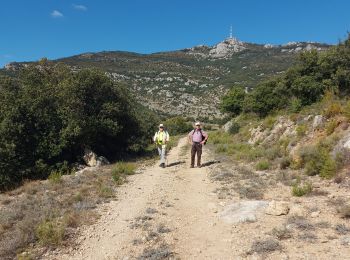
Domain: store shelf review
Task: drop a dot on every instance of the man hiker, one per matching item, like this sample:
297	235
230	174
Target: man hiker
197	138
160	139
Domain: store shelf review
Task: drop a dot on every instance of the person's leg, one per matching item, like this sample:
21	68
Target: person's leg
199	155
160	154
193	154
162	157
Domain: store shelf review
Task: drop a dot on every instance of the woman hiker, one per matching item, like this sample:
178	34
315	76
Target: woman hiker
161	138
197	138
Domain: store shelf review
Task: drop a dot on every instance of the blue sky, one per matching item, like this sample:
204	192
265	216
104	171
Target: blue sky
32	29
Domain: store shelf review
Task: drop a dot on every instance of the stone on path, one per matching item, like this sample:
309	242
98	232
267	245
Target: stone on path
244	211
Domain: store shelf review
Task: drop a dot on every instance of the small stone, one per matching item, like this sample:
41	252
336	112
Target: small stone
315	214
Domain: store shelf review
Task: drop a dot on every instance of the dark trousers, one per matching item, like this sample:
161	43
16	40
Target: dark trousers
196	148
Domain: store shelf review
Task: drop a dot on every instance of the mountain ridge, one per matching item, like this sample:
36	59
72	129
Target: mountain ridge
191	81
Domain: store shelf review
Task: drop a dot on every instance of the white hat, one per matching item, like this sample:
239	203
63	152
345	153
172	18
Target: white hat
161	125
197	123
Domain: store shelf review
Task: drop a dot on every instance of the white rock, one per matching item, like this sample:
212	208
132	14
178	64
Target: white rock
227	126
244	211
318	122
90	157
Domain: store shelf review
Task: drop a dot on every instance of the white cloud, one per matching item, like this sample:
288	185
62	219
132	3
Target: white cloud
80	7
56	14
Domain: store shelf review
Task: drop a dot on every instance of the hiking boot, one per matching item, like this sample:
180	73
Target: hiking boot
163	165
192	166
199	166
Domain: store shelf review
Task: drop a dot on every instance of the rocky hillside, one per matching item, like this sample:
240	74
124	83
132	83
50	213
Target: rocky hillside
190	81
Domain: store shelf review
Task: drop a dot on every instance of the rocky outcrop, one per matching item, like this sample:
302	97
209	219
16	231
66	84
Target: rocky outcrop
226	48
282	128
318	122
92	160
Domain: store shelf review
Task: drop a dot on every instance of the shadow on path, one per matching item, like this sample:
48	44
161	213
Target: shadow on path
175	163
210	163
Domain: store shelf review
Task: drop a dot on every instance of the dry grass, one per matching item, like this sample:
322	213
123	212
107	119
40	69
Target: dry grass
44	211
300	223
281	233
308	237
50	232
265	246
342	229
161	252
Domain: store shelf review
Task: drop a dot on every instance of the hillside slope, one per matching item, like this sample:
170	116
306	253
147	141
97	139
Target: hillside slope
191	81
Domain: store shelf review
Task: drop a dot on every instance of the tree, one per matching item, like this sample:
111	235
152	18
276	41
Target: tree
49	114
232	102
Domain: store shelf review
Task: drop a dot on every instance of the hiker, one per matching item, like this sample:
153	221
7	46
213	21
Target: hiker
161	138
197	137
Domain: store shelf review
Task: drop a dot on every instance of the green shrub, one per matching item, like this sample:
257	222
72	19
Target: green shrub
234	128
268	122
50	232
331	126
317	160
285	162
333	109
125	168
177	125
301	130
120	170
301	190
329	168
220	137
221	148
295	105
262	165
232	102
117	177
105	191
346	110
55	177
273	152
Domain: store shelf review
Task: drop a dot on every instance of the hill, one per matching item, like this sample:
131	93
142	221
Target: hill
191	81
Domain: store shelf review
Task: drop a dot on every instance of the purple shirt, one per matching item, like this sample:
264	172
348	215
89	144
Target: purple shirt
197	135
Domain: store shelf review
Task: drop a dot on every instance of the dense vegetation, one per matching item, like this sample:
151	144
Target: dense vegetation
303	84
297	121
177	125
49	115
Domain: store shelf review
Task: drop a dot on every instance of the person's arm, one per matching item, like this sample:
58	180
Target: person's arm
190	137
155	137
167	138
205	137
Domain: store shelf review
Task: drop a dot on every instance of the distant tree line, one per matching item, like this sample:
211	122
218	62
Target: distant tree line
302	84
49	115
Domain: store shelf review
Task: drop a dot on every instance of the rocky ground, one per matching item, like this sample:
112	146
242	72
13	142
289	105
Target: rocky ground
225	210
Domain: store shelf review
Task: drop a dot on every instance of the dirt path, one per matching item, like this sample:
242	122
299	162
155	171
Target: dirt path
167	212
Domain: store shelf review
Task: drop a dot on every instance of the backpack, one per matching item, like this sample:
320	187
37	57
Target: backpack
203	137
